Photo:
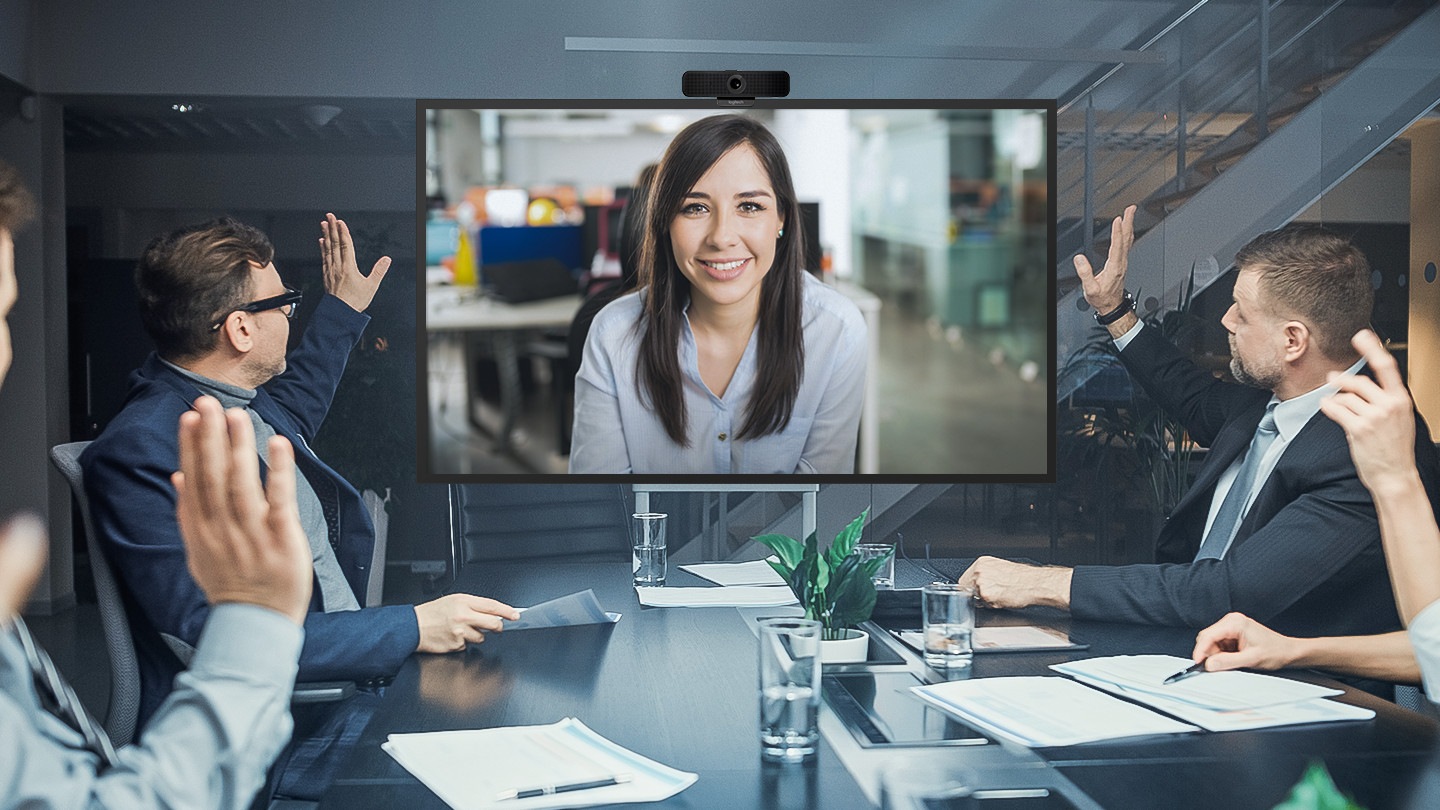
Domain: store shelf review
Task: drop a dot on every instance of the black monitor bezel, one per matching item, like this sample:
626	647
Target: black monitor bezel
422	415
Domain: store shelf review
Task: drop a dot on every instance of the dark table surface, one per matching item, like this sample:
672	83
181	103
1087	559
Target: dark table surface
678	685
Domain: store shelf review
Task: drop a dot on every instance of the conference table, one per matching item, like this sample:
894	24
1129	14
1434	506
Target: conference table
678	685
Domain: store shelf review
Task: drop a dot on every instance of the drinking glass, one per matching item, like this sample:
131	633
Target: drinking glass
647	559
789	689
885	575
949	621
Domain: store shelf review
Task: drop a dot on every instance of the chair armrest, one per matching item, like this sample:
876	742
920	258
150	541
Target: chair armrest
322	691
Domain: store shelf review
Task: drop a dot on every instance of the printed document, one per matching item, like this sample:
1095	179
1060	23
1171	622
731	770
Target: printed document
1215	701
1040	712
755	572
473	770
734	596
577	608
1142	675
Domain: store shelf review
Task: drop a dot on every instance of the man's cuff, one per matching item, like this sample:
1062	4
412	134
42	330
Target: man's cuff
251	642
1124	340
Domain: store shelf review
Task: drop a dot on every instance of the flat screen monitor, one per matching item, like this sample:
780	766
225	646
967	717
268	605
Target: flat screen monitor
836	291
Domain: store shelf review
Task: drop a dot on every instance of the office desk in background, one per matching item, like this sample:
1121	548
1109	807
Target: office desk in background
462	311
678	685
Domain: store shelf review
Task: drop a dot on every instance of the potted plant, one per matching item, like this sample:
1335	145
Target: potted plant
834	587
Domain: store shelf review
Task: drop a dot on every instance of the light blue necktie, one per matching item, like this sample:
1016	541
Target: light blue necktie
1227	520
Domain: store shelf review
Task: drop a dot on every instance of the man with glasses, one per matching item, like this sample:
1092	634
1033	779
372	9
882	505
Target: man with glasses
220	316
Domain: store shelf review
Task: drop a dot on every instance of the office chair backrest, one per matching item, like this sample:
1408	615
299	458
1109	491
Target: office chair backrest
506	521
124	672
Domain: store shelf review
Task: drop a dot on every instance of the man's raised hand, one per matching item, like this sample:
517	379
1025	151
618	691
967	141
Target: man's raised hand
342	275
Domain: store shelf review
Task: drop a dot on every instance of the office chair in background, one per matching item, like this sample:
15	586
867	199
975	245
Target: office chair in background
124	708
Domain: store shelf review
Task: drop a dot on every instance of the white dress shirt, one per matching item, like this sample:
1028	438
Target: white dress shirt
1290	417
1424	632
616	432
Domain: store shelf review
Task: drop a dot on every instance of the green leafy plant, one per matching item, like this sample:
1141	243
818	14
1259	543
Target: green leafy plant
1317	791
835	587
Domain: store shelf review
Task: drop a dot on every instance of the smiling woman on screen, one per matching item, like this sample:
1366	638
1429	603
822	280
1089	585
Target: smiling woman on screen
730	358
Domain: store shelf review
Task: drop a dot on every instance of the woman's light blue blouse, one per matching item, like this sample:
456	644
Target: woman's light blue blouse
616	432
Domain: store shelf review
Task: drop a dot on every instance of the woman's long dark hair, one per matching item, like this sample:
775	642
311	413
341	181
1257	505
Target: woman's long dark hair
781	347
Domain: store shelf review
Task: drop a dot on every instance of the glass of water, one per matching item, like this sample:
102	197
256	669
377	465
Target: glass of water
789	689
647	559
949	621
884	575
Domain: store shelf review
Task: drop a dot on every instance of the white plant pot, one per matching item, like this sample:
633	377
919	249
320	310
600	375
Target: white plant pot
852	649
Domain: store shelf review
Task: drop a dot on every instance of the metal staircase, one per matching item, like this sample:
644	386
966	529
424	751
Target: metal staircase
1258	111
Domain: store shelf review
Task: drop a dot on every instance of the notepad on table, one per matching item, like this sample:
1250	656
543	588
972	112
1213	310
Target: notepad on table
733	596
473	770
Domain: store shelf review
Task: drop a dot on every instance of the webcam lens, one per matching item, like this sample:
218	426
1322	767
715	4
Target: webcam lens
737	83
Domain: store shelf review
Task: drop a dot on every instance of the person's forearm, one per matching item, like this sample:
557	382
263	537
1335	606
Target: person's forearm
1412	543
1387	657
211	742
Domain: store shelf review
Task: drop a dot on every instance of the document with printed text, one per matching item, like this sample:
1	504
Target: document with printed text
512	767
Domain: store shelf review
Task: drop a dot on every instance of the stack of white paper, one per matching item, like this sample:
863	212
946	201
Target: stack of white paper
476	770
1040	712
755	572
734	596
1216	701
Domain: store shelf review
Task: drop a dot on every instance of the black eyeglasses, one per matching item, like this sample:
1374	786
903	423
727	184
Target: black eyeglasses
288	302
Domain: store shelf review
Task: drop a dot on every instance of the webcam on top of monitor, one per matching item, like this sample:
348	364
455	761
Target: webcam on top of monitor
735	88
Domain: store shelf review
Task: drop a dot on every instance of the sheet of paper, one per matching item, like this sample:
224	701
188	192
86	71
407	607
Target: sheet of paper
1041	712
1001	639
736	596
1222	691
577	608
469	770
755	572
1315	710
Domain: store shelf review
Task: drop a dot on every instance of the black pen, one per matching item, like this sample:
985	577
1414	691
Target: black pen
1194	669
530	793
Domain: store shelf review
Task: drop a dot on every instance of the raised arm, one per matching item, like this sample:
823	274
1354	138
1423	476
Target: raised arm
212	741
1379	421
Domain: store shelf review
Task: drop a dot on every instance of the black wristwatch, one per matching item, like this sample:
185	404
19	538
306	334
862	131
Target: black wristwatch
1127	305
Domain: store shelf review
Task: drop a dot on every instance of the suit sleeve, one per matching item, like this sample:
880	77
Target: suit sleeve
1201	402
314	368
132	505
1307	543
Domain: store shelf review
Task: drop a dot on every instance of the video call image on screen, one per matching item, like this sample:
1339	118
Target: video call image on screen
794	291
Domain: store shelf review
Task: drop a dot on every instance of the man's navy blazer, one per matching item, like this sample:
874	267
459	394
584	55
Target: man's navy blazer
1306	558
127	479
